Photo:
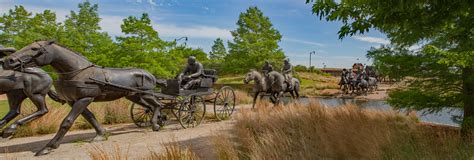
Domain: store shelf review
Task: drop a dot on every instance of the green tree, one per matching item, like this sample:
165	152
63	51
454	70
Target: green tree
82	34
141	47
300	68
255	40
218	51
19	28
446	63
13	23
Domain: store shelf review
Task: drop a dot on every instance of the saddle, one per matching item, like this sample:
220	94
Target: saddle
10	80
6	73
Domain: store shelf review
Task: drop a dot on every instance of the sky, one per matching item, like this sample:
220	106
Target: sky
202	21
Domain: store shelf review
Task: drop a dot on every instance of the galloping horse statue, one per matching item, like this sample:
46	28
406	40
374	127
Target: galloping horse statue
33	83
273	84
77	84
344	83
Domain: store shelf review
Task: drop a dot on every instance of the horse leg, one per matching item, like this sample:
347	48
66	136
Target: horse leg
39	101
157	111
15	98
99	130
297	90
292	95
273	98
77	108
277	98
255	99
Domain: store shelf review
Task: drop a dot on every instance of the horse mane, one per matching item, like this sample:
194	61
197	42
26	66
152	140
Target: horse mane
69	49
63	46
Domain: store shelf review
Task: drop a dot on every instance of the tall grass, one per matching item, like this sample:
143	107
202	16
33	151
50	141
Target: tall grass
172	151
106	113
348	132
242	97
100	153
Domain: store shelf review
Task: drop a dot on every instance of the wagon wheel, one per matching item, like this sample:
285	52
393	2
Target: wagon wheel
179	100
191	112
224	103
141	115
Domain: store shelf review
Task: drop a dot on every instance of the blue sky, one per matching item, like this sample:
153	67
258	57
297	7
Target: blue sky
202	21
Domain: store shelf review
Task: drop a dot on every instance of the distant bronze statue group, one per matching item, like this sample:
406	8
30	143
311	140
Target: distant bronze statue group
359	82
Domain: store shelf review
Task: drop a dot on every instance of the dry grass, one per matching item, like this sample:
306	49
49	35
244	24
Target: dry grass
106	113
47	124
242	97
348	132
172	151
100	153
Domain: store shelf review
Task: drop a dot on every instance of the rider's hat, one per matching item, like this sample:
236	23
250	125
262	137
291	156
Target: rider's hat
6	51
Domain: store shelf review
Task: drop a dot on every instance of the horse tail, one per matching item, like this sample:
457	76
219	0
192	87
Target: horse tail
53	95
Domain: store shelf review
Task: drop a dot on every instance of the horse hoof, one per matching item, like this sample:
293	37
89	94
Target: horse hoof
99	138
7	134
155	128
44	151
4	139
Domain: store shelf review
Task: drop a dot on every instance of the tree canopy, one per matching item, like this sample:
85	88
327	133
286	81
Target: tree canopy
139	47
255	40
218	51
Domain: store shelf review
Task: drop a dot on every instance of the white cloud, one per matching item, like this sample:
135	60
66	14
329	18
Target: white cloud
372	39
415	47
151	2
303	42
111	24
170	30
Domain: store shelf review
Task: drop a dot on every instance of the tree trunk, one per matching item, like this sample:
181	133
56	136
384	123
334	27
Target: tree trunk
467	130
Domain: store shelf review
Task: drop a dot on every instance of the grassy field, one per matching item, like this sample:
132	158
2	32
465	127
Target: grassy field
312	84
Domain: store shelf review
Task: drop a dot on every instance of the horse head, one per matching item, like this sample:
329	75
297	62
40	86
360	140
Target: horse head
250	76
33	55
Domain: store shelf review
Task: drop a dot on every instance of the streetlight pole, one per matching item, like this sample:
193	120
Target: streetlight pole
311	53
185	40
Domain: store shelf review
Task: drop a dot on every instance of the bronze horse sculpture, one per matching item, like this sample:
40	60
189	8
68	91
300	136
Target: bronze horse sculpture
77	86
33	83
273	84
